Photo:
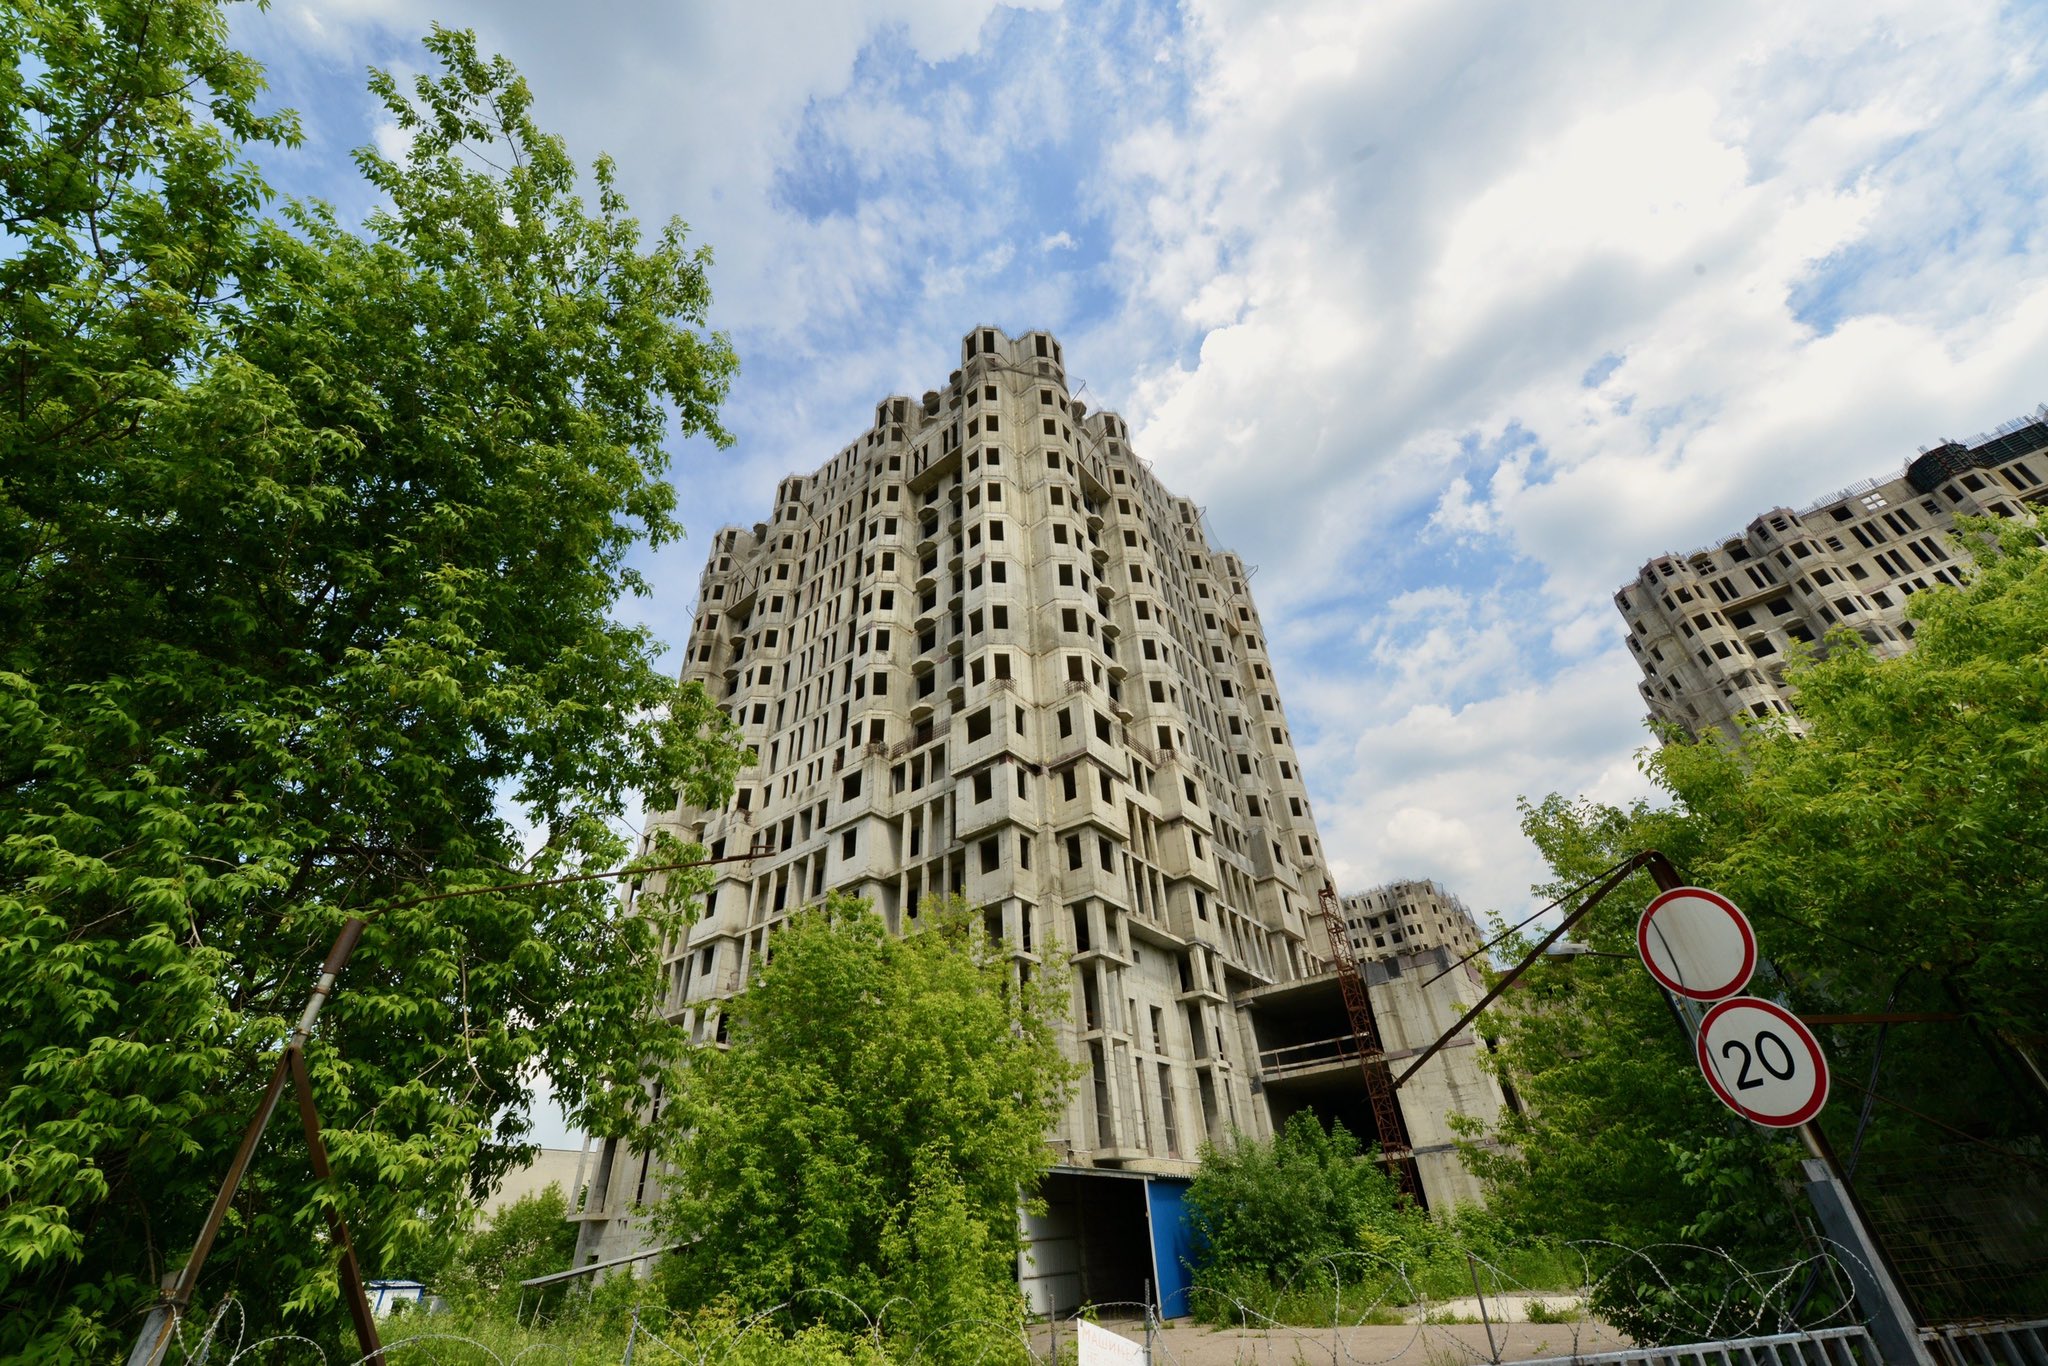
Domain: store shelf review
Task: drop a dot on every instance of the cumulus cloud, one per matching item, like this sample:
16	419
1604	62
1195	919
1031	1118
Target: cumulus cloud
1450	314
1450	308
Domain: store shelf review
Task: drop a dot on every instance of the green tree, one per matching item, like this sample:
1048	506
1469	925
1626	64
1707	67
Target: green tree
1281	1208
310	540
1619	1143
1308	1228
530	1237
869	1132
1894	856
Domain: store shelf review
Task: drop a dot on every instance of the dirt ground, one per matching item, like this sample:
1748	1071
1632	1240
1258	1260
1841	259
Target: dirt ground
1434	1344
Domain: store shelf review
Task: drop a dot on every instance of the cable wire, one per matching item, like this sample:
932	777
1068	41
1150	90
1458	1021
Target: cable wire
1604	873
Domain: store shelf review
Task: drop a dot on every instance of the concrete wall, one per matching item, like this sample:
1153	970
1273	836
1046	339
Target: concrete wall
550	1167
1410	1016
983	651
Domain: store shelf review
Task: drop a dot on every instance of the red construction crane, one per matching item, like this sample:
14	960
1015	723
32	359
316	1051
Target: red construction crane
1372	1059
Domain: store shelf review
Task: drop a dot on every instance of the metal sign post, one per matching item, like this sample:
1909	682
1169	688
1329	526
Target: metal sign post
1791	1089
1708	951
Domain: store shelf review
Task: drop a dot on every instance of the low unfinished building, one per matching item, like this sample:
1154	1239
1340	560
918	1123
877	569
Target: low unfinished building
1408	917
1308	1059
1710	628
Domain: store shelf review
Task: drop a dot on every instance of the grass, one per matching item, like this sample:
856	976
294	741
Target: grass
456	1338
1537	1311
1373	1292
490	1338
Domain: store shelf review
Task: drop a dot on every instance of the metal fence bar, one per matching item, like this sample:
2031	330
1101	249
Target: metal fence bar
1820	1347
1992	1344
2034	1342
1836	1352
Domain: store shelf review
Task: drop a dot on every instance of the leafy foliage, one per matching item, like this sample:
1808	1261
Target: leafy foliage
868	1134
1280	1208
1306	1228
1895	857
530	1237
309	544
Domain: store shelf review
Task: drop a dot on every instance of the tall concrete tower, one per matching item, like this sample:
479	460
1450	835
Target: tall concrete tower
983	651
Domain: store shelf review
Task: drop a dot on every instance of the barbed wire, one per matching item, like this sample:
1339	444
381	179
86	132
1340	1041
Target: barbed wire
1381	1311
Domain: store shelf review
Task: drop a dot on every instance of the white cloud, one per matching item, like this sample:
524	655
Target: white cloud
1389	271
392	142
1360	262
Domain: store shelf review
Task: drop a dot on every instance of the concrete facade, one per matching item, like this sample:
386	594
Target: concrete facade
562	1167
1710	628
1408	917
983	651
1307	1059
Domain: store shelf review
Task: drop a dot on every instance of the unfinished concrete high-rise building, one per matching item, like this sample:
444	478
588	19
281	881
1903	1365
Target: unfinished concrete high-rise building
1710	628
1408	917
984	651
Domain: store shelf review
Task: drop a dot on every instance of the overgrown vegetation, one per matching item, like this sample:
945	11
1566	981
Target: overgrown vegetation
594	1329
849	1165
310	543
866	1138
1307	1228
530	1237
1895	857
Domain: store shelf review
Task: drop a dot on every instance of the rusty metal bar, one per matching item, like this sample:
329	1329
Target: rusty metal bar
1372	1059
352	1294
161	1324
1509	978
176	1296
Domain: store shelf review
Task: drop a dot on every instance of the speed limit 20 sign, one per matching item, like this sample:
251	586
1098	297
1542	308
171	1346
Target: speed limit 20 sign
1763	1062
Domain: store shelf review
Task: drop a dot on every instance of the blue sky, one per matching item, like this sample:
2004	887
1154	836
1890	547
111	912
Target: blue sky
1450	314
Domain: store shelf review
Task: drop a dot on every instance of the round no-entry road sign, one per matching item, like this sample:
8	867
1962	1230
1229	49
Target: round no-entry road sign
1695	942
1762	1062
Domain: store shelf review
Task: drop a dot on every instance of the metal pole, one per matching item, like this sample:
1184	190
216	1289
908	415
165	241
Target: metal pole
1893	1323
162	1324
351	1277
1492	1348
1148	1322
1508	978
632	1331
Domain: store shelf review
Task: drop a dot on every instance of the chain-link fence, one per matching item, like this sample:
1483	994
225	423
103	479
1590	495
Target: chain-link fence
1966	1230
